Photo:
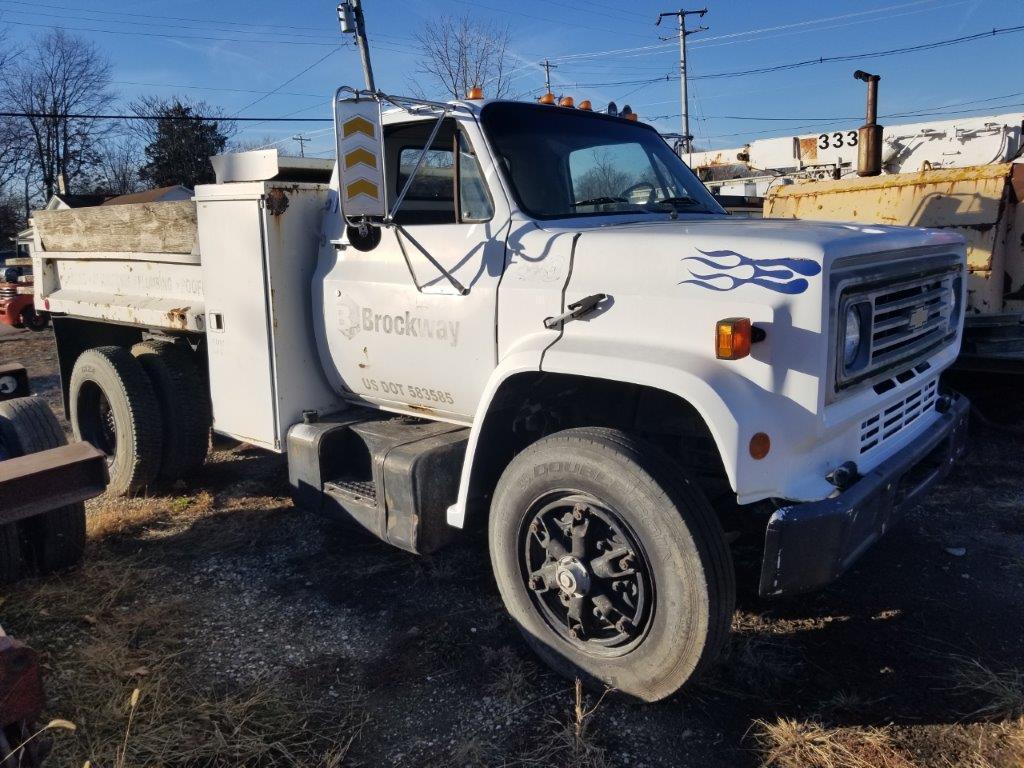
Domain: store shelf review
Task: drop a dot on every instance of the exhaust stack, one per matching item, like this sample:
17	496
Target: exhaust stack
869	138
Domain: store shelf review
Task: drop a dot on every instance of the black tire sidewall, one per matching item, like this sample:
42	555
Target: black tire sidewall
119	376
677	640
184	405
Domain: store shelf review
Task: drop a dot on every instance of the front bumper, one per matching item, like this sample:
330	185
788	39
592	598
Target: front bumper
809	545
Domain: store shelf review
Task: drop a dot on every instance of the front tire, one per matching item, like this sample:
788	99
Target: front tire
611	562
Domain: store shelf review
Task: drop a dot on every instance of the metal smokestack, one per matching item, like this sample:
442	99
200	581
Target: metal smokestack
869	139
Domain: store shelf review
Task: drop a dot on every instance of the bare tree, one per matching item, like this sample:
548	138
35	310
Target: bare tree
461	52
12	130
120	160
59	77
147	131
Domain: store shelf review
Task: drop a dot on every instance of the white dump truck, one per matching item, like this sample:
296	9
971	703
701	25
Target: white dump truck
532	318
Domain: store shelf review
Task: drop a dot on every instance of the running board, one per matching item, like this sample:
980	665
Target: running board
393	475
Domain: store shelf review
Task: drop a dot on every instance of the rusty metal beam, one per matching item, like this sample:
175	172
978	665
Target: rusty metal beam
49	479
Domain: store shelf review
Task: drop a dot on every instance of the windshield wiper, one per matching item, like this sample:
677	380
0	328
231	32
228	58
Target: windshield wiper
599	201
688	202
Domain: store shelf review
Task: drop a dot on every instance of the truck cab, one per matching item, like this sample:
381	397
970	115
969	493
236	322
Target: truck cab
534	319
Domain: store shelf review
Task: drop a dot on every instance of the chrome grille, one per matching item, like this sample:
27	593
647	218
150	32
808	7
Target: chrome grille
890	421
907	318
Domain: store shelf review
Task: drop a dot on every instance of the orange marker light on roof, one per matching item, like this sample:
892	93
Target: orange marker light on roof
631	117
732	338
547	98
585	105
475	93
566	101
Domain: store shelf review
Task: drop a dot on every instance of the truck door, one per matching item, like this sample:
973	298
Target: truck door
400	332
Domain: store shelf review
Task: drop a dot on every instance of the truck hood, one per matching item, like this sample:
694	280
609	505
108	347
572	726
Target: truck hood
822	242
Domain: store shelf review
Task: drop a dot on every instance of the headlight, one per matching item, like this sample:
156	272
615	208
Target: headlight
852	337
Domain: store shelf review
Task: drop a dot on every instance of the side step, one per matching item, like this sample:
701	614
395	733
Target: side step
395	476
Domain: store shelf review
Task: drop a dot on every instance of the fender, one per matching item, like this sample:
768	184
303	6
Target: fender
628	364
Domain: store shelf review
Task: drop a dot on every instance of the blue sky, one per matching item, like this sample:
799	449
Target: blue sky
230	52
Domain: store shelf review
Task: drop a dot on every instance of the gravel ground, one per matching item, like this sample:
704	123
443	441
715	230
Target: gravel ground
877	668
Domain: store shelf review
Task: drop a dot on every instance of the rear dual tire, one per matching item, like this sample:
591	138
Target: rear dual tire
644	625
146	409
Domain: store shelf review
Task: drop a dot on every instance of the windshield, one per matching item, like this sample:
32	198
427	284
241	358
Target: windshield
563	162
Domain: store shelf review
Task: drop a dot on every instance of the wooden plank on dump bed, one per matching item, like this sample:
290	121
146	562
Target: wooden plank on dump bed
168	227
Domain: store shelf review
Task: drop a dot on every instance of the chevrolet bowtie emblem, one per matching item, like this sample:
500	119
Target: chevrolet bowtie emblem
918	318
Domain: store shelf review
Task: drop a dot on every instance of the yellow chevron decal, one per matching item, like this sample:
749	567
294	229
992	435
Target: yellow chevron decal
357	156
356	125
362	187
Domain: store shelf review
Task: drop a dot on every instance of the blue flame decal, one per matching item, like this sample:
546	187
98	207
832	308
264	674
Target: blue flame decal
734	269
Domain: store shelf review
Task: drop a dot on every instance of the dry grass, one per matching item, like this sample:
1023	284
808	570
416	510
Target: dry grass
111	516
1001	693
789	743
116	655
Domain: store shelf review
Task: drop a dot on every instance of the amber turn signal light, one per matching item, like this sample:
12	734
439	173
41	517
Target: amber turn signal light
760	444
547	98
566	101
585	105
732	338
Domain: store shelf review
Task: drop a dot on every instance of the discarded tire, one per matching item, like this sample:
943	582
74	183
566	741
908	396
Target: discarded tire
614	566
114	407
184	405
53	540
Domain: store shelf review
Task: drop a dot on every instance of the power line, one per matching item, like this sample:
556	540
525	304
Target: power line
648	50
212	88
121	14
169	36
290	80
222	118
855	56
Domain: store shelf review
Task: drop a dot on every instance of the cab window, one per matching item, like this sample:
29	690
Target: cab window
448	188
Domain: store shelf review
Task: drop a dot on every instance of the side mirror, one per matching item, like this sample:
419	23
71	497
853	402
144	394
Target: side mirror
360	151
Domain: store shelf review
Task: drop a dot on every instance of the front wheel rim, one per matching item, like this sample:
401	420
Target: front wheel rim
587	573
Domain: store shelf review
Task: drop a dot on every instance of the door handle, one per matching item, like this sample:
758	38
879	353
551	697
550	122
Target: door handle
576	310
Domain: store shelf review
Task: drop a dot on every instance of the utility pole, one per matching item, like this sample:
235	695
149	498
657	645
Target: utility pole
302	143
548	66
683	34
350	14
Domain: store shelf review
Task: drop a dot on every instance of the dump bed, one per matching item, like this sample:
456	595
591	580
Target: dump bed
135	264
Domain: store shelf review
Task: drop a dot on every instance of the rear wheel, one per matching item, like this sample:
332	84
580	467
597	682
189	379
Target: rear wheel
113	406
611	562
184	405
55	539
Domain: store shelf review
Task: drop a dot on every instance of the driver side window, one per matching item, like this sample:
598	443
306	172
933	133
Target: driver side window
448	188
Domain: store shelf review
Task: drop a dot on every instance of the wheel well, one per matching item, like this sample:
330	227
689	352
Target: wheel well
529	406
75	336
